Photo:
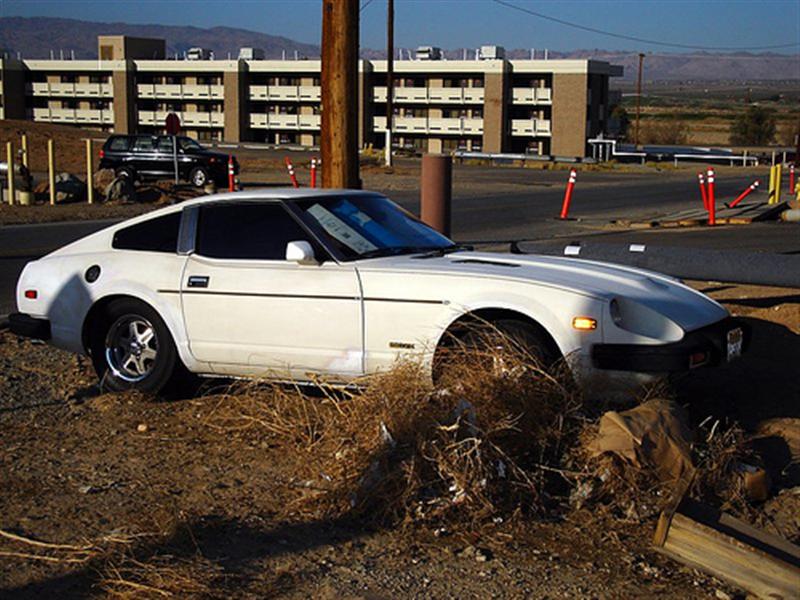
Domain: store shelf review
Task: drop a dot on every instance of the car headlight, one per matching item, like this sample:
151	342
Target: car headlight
616	312
642	320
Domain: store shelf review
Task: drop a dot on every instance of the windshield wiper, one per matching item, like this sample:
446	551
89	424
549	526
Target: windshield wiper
392	251
435	252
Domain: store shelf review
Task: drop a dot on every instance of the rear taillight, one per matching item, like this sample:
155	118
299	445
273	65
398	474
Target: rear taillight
31	294
102	154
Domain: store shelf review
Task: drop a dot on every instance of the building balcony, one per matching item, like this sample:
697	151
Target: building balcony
431	95
71	90
74	115
188	118
291	93
179	91
284	121
532	96
432	125
530	127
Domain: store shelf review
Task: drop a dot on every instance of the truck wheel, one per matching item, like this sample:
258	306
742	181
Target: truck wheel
199	177
126	172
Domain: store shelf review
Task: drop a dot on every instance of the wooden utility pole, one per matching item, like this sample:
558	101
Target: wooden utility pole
639	97
340	94
389	79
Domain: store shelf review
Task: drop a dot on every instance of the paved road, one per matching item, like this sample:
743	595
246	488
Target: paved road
524	214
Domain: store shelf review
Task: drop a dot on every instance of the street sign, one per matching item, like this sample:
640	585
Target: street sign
173	124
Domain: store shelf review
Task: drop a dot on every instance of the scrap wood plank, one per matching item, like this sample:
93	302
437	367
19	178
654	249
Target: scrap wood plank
745	213
704	538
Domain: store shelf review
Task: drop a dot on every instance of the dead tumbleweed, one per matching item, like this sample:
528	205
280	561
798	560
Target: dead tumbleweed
486	441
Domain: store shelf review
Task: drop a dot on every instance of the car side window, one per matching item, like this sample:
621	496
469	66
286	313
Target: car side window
144	144
248	231
154	235
119	144
165	144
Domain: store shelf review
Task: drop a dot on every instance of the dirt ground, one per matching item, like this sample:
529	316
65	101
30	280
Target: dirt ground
158	498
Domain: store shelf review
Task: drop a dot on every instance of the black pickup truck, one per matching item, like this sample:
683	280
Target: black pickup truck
152	157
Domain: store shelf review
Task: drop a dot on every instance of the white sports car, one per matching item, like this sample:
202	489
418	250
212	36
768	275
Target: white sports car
296	284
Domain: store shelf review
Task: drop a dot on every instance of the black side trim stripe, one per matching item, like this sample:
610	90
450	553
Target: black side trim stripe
302	296
407	300
258	295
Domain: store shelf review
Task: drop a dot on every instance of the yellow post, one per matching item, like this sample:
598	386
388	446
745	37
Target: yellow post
25	150
10	158
771	190
51	170
89	183
778	174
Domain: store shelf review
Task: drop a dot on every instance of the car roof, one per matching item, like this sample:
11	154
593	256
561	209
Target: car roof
275	194
254	195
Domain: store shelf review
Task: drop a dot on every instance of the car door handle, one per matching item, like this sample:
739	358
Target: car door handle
197	281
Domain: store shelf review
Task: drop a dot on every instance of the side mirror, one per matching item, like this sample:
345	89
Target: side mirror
300	252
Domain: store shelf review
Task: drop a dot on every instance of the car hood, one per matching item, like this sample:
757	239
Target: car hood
214	154
668	296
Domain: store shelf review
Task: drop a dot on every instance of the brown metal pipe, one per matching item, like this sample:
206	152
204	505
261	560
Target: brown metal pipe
436	186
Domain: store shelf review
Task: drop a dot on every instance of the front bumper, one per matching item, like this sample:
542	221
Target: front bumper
707	346
28	326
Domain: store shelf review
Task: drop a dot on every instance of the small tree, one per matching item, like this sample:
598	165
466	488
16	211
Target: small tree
754	127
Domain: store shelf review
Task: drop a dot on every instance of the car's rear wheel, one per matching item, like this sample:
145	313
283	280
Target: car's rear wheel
199	177
132	348
126	172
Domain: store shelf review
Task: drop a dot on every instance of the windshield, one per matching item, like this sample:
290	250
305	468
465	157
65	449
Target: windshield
362	226
188	144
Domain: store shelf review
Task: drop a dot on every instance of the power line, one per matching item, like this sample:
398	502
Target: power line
365	5
637	39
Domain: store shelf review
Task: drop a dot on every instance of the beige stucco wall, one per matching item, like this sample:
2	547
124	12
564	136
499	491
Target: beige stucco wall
569	114
495	104
125	117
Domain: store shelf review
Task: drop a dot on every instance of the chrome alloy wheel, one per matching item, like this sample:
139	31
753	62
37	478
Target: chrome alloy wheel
131	348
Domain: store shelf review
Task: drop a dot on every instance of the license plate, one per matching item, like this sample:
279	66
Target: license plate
735	338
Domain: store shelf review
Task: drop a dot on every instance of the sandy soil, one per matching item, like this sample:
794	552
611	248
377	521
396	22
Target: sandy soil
169	498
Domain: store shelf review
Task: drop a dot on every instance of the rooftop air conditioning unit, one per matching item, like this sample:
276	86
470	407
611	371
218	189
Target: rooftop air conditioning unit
492	53
429	53
199	54
251	54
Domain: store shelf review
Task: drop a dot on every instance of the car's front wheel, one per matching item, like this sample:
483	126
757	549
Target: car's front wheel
199	177
504	346
132	348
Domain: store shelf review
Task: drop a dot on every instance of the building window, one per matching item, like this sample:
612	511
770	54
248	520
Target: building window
69	78
98	78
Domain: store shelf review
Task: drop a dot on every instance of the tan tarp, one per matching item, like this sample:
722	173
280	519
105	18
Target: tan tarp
653	435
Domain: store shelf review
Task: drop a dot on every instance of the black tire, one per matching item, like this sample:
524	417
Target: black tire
132	348
476	340
126	172
198	177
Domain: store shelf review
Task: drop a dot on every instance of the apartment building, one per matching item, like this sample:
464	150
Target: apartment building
542	107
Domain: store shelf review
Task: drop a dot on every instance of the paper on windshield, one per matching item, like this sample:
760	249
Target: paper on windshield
341	230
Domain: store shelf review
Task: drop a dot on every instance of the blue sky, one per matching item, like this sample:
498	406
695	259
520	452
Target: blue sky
470	23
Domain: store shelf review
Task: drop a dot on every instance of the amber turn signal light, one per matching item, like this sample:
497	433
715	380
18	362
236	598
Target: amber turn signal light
584	323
